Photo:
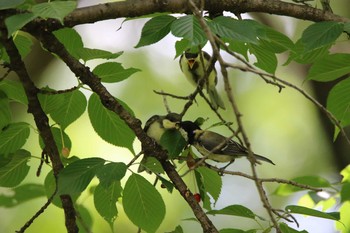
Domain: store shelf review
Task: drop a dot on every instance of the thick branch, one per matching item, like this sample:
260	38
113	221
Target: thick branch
41	121
149	147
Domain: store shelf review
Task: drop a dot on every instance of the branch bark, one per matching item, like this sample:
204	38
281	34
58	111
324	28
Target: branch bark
51	43
41	121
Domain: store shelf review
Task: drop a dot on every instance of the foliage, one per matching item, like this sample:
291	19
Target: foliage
140	200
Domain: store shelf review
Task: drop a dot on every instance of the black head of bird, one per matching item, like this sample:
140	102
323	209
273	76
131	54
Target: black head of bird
215	146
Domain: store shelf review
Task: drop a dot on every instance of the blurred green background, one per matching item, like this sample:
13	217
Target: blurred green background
284	126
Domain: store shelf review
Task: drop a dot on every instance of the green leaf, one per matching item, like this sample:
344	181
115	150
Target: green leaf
166	184
51	103
14	91
105	199
108	124
275	41
311	212
62	140
73	107
152	164
188	27
55	9
173	142
18	21
13	137
110	173
330	67
21	194
13	173
111	72
74	178
178	229
142	203
89	54
181	46
346	174
211	181
313	181
321	34
266	60
347	27
286	229
345	192
234	210
5	111
7	4
84	226
338	102
155	29
229	28
71	41
300	55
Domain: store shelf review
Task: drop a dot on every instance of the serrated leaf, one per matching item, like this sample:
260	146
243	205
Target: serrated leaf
71	40
14	91
111	72
62	140
16	22
55	9
211	181
330	67
313	181
173	142
73	107
338	102
152	164
234	210
300	55
74	178
105	199
188	27
229	28
266	60
13	137
23	44
345	192
5	111
13	173
155	29
181	46
110	173
275	41
108	124
311	212
7	4
286	229
89	54
21	194
320	34
50	102
143	204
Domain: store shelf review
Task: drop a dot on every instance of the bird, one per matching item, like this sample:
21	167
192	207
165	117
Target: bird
194	70
215	146
155	127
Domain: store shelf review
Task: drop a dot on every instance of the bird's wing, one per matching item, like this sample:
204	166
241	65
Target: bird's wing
234	148
210	141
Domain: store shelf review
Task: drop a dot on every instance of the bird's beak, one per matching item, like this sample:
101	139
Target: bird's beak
190	63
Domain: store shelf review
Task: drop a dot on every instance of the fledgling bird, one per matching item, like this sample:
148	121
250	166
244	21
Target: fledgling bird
193	68
155	127
217	147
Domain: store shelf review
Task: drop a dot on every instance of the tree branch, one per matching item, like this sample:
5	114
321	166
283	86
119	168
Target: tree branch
41	120
51	43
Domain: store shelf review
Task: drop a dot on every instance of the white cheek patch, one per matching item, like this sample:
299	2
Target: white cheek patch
168	124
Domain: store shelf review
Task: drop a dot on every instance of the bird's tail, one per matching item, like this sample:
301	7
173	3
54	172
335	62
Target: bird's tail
215	99
262	158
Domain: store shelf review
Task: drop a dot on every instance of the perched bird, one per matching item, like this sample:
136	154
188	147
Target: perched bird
193	68
217	147
155	127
